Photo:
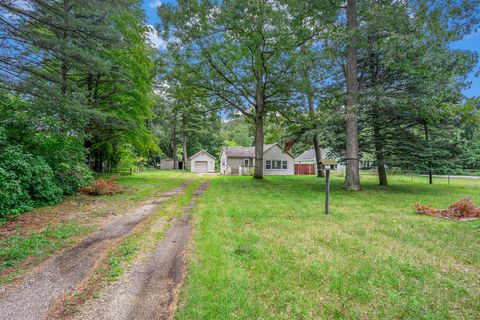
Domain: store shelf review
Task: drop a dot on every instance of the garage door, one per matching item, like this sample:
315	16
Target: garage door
201	166
304	169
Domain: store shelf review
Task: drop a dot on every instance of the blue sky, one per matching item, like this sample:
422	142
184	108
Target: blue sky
470	42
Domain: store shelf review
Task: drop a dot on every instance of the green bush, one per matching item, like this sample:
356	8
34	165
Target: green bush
26	181
66	156
13	198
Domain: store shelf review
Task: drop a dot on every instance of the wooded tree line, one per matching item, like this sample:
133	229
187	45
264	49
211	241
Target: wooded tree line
361	77
76	91
82	90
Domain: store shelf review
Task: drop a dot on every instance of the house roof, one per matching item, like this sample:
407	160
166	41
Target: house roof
309	155
201	152
249	152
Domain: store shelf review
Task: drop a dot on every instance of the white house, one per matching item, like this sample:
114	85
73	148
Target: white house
241	160
202	162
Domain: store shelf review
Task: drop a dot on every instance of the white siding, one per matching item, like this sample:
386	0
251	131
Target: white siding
276	153
234	163
223	162
202	156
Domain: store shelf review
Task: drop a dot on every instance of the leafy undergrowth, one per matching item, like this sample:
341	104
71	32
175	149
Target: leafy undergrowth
103	187
462	209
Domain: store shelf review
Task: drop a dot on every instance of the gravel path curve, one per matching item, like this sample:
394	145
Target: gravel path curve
32	298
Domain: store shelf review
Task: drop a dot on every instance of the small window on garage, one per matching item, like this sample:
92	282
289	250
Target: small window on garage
284	165
268	164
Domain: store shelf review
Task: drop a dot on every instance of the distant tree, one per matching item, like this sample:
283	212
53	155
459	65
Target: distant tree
238	132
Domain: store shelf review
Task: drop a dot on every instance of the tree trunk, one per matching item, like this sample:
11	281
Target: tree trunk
154	162
352	176
382	172
174	146
430	174
98	166
379	155
259	138
64	72
316	144
185	154
258	172
318	156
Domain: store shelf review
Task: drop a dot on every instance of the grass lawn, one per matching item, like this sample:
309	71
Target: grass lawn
265	250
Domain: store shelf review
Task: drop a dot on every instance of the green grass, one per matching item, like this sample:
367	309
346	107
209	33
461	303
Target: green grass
150	184
265	250
17	248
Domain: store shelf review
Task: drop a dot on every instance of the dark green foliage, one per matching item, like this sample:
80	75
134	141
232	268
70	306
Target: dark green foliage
238	132
77	90
26	181
13	198
66	157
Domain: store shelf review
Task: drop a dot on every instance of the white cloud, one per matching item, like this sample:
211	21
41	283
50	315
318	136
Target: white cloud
154	4
155	38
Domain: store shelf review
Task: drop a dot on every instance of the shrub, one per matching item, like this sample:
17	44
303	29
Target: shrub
13	199
66	157
26	181
102	187
72	176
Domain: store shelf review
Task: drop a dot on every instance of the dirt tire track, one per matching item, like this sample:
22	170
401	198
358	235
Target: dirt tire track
32	298
150	288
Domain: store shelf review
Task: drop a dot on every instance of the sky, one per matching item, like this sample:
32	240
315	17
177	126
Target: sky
470	42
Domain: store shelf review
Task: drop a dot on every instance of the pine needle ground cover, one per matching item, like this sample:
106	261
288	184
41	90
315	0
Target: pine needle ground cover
265	250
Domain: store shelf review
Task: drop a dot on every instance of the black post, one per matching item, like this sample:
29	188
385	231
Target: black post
327	190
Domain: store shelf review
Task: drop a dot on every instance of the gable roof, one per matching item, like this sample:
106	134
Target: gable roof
309	155
201	152
249	152
243	151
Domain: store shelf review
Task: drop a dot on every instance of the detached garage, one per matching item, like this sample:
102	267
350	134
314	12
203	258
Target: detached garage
202	162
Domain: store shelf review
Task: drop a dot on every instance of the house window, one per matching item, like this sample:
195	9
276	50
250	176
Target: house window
268	164
246	163
276	164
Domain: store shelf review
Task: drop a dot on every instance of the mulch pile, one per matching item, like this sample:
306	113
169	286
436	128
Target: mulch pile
463	209
102	187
